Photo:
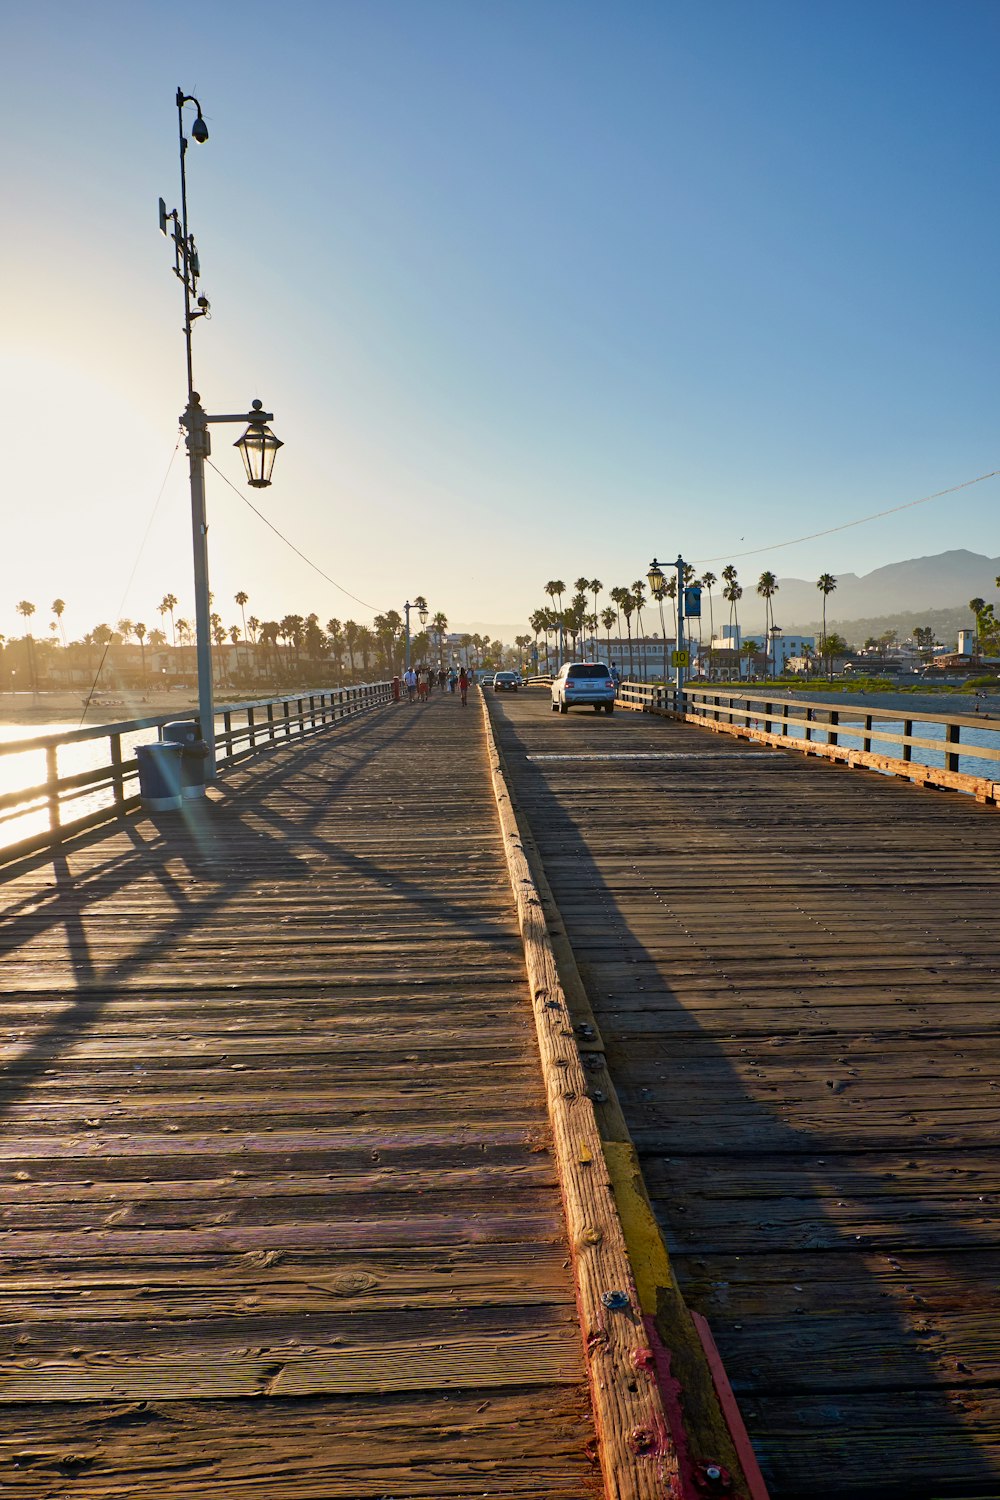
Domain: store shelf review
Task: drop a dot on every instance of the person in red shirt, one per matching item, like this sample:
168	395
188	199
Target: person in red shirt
463	687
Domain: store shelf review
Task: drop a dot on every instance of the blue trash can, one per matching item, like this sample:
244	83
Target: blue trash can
160	776
194	754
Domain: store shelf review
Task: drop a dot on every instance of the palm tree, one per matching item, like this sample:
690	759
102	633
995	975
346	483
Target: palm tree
366	645
439	625
733	593
826	583
617	596
139	631
58	605
26	609
350	640
628	609
608	618
242	599
767	587
555	588
537	623
335	632
167	605
708	582
670	591
639	595
750	650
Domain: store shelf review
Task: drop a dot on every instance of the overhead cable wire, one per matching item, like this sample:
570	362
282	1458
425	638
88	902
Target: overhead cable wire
307	560
861	521
131	576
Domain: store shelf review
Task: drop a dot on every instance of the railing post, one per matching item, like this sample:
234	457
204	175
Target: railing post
866	738
907	734
312	710
808	728
767	718
227	732
251	726
784	720
952	732
270	722
832	738
302	717
52	789
287	712
117	775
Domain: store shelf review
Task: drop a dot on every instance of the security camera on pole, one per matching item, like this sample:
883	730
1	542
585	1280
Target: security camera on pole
258	445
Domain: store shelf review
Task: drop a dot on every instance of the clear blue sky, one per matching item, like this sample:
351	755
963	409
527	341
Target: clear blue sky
534	289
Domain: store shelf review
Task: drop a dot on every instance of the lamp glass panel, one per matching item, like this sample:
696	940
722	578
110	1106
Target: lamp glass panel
258	447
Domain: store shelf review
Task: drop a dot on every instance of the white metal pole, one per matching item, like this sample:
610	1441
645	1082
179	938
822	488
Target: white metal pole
199	447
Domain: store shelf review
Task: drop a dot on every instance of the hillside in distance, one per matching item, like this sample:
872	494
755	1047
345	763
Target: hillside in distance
946	581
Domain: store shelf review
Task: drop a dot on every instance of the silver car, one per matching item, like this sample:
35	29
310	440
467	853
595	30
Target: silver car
584	682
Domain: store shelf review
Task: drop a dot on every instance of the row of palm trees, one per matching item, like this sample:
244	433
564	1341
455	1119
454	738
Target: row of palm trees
576	619
273	649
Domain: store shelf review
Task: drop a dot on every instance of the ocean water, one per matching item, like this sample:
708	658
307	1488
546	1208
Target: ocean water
980	736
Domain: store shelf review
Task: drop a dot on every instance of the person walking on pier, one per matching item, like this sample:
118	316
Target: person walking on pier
463	687
410	681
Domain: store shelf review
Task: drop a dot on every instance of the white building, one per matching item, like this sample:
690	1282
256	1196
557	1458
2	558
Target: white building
780	648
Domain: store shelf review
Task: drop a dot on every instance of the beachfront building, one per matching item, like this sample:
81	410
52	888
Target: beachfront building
729	648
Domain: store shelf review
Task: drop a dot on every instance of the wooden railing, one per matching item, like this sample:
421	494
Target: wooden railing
70	785
960	751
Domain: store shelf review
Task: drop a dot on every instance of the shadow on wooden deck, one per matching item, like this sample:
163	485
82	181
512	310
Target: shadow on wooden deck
846	1282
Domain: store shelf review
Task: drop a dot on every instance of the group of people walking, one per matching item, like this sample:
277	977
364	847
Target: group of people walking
419	683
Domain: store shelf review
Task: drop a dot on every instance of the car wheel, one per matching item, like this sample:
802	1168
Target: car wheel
564	708
609	708
597	708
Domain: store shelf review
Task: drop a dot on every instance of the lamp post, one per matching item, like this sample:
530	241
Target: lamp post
258	445
420	605
657	587
657	584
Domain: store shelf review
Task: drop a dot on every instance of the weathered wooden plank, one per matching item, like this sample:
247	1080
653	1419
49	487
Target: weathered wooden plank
320	1449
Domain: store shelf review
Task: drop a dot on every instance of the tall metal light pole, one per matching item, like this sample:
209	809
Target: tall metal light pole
657	587
681	644
258	445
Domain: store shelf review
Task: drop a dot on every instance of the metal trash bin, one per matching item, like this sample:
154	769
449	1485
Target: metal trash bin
186	734
160	775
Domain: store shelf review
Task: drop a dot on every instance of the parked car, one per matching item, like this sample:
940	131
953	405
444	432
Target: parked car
506	682
584	682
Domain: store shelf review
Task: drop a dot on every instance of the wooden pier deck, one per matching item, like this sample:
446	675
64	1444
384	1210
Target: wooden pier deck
796	971
279	1212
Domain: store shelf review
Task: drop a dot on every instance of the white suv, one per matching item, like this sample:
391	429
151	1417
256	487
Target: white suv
584	682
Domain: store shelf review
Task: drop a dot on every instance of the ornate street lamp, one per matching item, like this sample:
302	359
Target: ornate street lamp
258	445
